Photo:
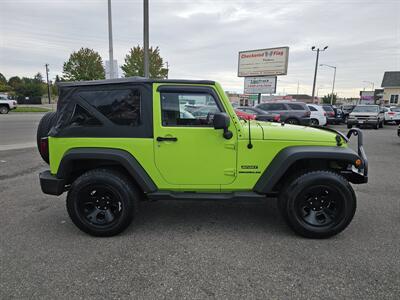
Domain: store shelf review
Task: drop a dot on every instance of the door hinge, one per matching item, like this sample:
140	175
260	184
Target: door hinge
230	172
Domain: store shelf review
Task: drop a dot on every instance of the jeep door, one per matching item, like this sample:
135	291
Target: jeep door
188	150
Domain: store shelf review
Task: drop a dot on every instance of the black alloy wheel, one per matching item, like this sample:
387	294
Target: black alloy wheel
320	206
99	205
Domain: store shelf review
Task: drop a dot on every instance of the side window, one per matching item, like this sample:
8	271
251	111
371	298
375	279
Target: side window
295	106
312	108
277	106
265	106
188	109
80	117
120	106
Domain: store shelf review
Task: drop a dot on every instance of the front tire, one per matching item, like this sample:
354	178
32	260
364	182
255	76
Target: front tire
318	204
102	202
4	110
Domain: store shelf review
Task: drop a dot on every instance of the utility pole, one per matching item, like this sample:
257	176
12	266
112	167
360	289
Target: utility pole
334	79
316	68
110	42
146	37
48	84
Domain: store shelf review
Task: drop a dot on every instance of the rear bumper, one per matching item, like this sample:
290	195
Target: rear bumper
50	184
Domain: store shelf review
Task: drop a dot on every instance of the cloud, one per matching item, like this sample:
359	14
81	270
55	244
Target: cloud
201	39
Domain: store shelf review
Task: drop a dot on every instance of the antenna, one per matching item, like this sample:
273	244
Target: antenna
249	145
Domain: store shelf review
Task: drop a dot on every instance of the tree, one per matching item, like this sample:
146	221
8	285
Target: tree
327	99
14	81
3	79
38	77
134	65
3	84
85	64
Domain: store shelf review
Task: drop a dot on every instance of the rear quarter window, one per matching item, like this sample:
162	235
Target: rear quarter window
296	106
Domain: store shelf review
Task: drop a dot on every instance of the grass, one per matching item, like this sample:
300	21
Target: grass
30	109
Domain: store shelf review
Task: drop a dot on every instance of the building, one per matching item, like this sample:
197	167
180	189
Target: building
302	98
391	88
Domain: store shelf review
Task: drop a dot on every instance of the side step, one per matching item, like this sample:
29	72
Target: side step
204	196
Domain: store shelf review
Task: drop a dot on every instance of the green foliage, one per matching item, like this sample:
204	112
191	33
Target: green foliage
29	87
14	81
3	79
327	99
85	64
134	65
3	84
30	109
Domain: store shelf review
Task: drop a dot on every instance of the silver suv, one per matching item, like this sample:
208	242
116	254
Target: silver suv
369	115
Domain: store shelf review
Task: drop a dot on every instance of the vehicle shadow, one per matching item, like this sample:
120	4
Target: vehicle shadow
194	215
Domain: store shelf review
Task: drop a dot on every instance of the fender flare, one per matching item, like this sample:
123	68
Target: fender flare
290	155
118	156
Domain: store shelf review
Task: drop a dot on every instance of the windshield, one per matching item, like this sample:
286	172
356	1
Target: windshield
365	109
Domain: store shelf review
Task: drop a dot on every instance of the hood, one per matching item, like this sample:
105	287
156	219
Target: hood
286	132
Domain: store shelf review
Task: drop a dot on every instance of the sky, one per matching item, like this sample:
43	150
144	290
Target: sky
201	39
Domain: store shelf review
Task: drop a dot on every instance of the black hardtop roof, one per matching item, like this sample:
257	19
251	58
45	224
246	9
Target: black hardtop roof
131	80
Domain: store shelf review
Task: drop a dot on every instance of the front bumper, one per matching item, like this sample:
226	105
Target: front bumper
360	174
362	122
50	184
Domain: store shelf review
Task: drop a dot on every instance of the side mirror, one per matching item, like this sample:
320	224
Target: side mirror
222	121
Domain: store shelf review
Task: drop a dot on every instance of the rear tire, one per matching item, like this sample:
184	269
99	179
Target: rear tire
102	202
4	109
349	126
43	129
318	204
314	122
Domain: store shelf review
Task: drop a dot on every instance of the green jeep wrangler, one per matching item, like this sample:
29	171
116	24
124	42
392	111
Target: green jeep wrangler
112	143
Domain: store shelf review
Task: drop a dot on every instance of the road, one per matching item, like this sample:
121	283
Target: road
18	130
199	250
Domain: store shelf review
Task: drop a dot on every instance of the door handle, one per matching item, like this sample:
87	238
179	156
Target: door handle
166	139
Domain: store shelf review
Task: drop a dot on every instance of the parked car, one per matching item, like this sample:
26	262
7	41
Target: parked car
296	113
398	131
392	115
6	104
330	113
370	115
334	115
347	109
318	115
260	115
244	115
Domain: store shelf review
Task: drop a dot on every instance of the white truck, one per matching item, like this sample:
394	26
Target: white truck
6	104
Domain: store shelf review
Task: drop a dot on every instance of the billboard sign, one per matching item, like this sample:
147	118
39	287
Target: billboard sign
367	97
263	62
260	85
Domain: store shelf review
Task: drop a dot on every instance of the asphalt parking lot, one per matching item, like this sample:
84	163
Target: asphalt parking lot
199	250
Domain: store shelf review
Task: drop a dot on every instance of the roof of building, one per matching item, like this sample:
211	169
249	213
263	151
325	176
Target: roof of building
131	80
391	79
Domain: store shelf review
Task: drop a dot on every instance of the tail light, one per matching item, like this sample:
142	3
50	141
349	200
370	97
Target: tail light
308	113
44	146
277	118
324	114
332	113
391	113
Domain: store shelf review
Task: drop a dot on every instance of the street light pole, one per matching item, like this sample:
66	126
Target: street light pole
48	84
334	79
146	37
110	42
316	68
